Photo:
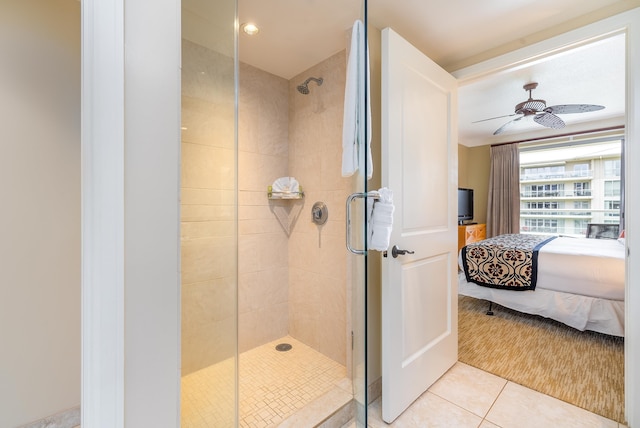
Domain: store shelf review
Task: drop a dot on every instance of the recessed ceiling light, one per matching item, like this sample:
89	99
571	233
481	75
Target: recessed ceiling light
250	29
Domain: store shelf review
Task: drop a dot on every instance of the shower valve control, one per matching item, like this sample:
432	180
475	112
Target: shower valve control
319	213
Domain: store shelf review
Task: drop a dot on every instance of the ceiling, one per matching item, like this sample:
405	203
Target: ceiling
297	34
591	74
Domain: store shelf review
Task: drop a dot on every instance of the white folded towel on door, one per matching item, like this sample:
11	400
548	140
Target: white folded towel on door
356	95
381	221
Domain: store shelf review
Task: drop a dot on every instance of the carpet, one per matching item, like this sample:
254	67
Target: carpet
585	369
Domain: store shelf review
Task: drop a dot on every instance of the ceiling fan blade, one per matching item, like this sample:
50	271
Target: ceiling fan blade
497	117
573	108
549	120
507	125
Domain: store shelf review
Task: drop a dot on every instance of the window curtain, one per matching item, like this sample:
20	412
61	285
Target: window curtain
503	205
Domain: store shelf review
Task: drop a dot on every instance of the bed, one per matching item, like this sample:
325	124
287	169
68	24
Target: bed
577	281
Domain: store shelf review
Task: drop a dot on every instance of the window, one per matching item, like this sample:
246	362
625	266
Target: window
542	173
543	190
612	188
566	184
541	225
580	227
535	208
584	208
581	170
581	205
582	189
541	205
612	168
612	208
612	205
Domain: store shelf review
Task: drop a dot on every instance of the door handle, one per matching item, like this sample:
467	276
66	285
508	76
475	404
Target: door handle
350	198
395	252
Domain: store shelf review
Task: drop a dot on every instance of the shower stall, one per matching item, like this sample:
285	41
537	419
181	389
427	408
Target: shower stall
273	304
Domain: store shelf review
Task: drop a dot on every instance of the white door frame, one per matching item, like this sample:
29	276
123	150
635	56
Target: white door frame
130	213
629	23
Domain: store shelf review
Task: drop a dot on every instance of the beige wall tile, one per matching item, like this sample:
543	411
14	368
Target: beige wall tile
207	167
292	273
317	254
262	326
205	259
208	123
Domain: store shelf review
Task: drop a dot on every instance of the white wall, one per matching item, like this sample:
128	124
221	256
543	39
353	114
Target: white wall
40	209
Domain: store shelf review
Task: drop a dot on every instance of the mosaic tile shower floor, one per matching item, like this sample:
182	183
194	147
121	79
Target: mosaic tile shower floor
274	385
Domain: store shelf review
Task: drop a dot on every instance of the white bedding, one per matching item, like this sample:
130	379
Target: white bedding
580	283
589	267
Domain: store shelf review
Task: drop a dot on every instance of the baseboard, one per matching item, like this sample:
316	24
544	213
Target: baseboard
65	419
374	390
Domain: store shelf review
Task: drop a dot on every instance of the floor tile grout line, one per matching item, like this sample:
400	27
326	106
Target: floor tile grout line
493	404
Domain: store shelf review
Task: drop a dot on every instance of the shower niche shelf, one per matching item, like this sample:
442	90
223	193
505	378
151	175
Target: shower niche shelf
286	195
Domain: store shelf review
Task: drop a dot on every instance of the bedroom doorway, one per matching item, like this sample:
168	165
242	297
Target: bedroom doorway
475	74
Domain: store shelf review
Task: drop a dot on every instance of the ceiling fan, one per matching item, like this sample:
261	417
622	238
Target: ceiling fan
543	115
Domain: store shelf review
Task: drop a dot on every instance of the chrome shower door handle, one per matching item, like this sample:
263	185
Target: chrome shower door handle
350	198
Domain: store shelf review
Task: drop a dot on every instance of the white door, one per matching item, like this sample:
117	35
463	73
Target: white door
419	164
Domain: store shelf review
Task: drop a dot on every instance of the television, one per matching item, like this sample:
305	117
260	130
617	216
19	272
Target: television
465	205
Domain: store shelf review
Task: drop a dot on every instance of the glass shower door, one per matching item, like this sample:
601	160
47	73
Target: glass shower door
273	304
209	218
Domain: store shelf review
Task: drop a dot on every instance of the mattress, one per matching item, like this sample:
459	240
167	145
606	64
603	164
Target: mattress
580	312
589	267
580	283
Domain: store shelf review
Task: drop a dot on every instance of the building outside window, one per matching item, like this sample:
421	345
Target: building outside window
540	225
581	170
543	190
582	189
612	168
579	227
568	185
612	209
612	188
544	172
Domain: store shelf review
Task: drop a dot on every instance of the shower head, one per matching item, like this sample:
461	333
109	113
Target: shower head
304	88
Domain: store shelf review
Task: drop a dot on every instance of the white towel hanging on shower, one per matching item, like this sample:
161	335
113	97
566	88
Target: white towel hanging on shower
357	107
381	221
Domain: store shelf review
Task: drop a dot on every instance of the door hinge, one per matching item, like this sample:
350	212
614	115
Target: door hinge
352	340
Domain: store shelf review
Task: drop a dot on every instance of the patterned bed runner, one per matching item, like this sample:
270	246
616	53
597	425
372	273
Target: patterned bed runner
505	261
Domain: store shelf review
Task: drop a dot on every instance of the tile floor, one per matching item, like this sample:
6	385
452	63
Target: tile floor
276	389
300	387
469	397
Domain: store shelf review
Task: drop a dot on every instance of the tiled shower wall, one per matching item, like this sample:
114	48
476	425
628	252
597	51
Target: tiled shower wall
291	273
263	156
208	243
317	254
